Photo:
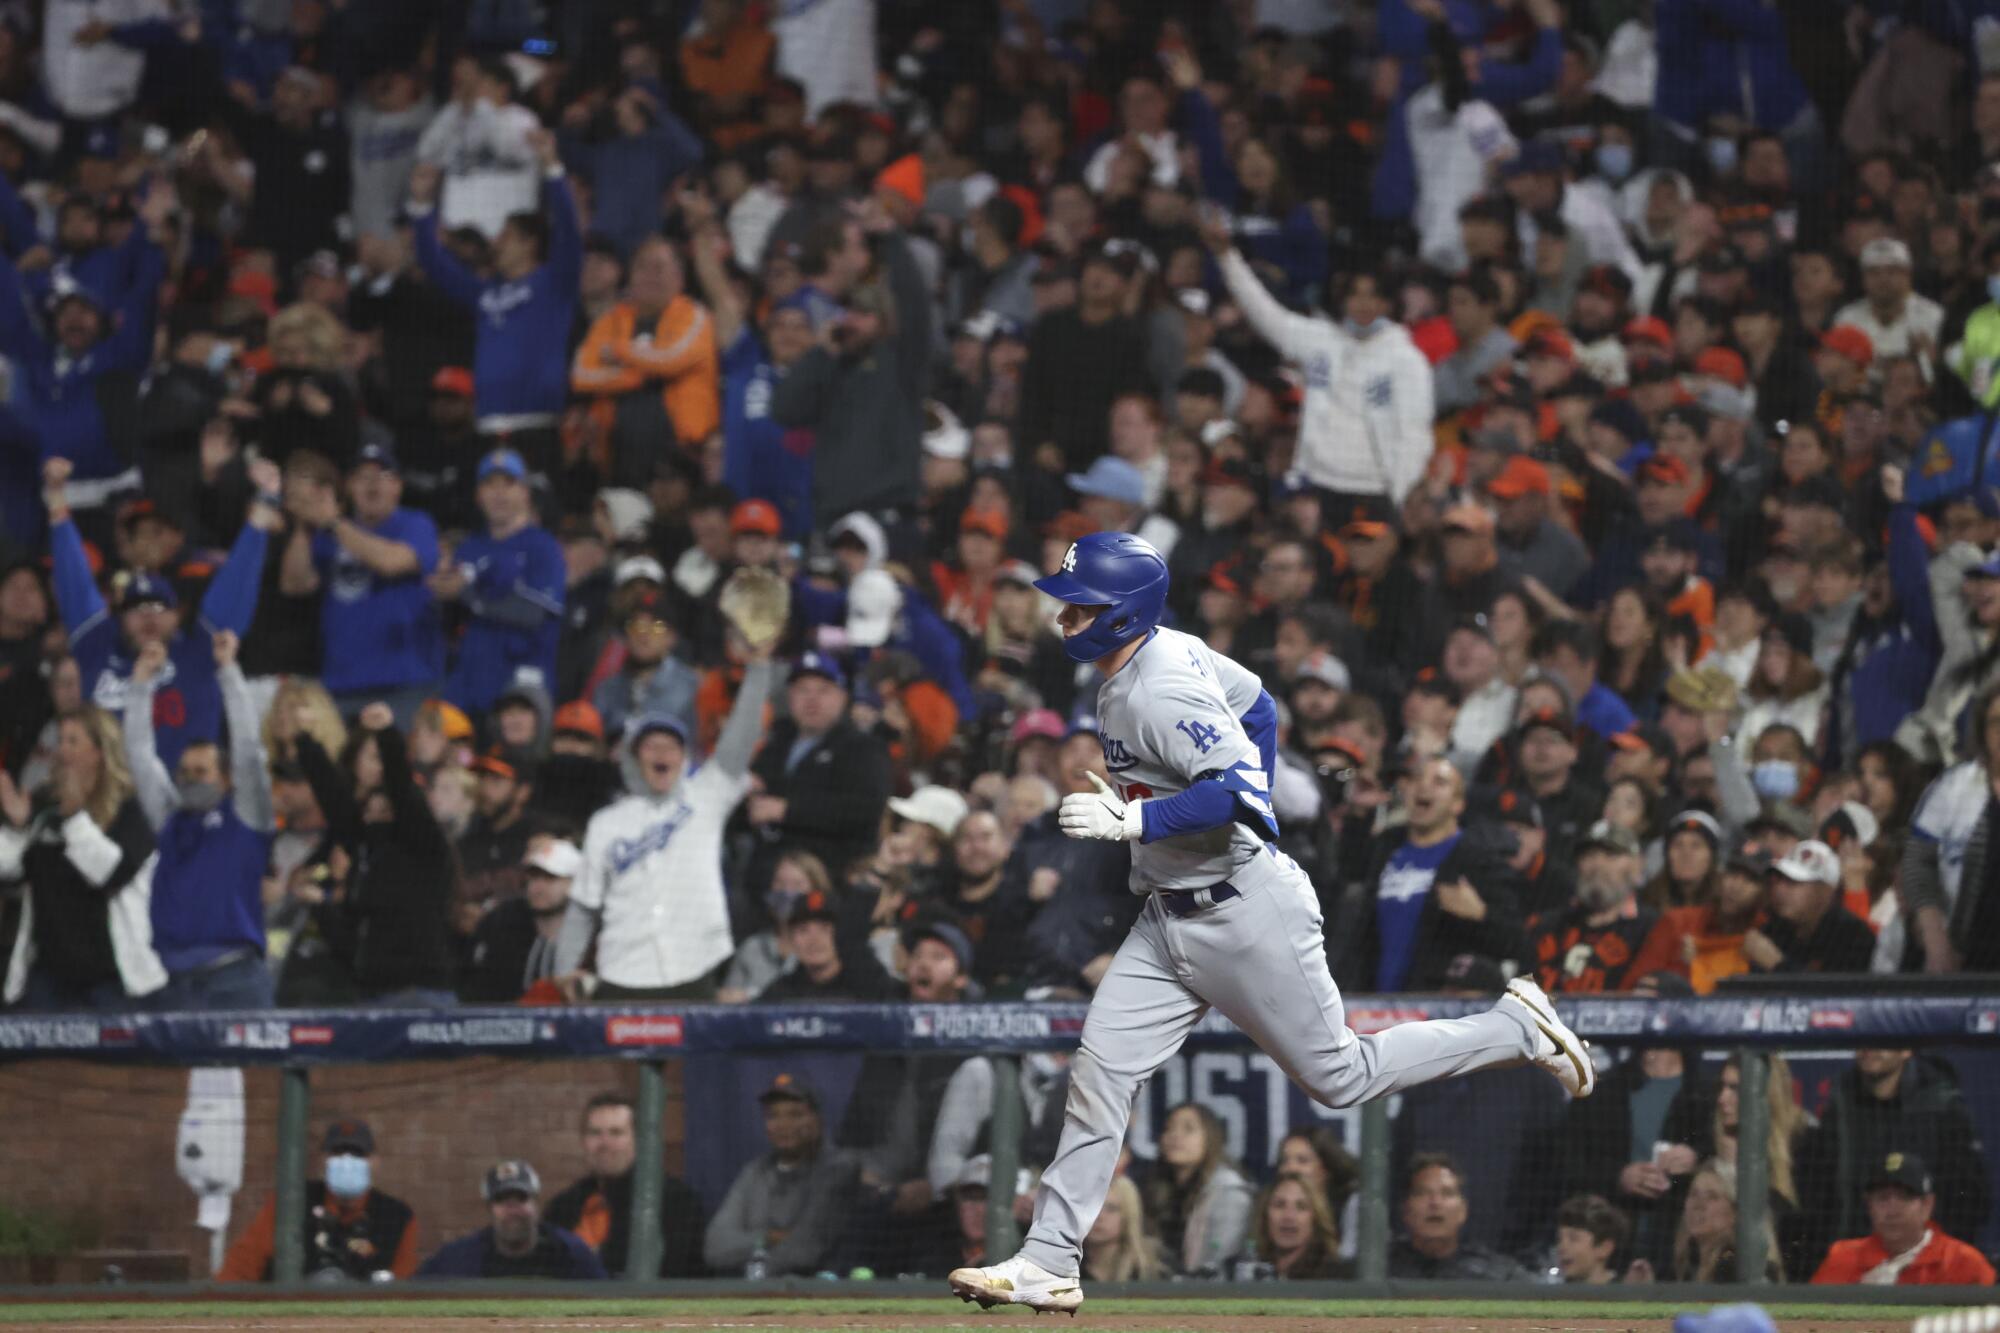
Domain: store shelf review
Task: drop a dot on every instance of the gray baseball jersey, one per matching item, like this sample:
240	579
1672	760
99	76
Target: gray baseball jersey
1171	717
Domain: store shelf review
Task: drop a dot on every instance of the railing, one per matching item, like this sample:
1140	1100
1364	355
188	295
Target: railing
298	1041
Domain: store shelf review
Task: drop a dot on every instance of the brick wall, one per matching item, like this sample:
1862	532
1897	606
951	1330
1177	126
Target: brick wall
98	1142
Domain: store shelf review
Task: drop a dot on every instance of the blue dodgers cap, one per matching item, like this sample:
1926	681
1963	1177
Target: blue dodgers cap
648	723
381	455
819	664
1535	155
503	460
1110	478
1989	568
1727	1319
144	589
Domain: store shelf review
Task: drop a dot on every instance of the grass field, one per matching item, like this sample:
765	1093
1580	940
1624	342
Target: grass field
909	1315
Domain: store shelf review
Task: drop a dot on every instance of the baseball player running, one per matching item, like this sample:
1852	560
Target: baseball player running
1190	738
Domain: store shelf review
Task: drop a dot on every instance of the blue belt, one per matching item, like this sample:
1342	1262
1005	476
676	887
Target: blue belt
1188	903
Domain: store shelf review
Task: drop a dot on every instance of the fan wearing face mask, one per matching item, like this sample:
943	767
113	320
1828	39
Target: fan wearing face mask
213	817
354	1231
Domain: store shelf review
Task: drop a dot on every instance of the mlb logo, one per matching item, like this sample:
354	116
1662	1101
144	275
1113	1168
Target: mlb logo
1984	1023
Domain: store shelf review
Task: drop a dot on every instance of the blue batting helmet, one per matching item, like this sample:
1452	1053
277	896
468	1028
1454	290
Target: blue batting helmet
1118	572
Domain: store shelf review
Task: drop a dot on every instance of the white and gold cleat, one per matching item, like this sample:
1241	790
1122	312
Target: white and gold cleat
1018	1282
1557	1049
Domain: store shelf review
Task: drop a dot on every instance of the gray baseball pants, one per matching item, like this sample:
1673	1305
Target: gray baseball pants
1261	960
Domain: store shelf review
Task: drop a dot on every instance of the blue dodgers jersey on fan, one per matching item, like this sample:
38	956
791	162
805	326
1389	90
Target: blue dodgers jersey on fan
1175	715
530	564
380	633
1400	896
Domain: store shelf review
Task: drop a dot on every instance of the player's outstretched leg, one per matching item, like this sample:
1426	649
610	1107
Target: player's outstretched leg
1019	1281
1557	1049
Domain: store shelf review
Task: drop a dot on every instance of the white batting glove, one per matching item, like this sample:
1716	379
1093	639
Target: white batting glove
1101	815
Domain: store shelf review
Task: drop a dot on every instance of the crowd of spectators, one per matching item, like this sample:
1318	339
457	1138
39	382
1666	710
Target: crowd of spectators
1573	410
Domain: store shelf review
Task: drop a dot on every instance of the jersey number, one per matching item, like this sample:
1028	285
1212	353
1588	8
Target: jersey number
1203	735
1135	791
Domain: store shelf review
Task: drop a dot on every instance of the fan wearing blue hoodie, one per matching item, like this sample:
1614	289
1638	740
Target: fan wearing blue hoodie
187	703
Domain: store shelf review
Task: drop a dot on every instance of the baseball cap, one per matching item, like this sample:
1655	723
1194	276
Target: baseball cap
1885	252
1326	669
1045	722
1724	363
1552	718
873	599
1433	682
945	933
813	906
1749	859
1110	478
1367	516
945	436
1904	1169
578	717
146	507
1017	572
819	664
505	763
381	455
349	1134
1229	472
790	1087
503	461
1692	415
1645	736
1550	341
1850	822
1521	476
1849	342
638	567
1474	519
560	859
450	718
1517	805
511	1177
1649	329
1989	568
1665	469
454	380
144	589
937	807
755	516
990	522
647	723
1811	862
1607	836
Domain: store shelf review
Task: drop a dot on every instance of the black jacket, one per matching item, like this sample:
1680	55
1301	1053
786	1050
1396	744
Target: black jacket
393	923
861	980
835	797
497	969
1841	942
681	1222
1927	1117
865	407
1074	372
1469	1263
1441	936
